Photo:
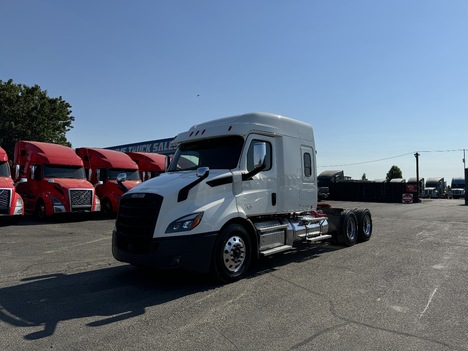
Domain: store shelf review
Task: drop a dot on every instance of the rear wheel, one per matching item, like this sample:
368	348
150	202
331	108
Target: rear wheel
232	254
364	219
347	233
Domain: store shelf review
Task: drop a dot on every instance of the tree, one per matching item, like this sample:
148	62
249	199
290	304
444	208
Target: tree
393	173
28	113
364	177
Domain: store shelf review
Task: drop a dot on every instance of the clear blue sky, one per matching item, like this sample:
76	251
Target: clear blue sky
375	79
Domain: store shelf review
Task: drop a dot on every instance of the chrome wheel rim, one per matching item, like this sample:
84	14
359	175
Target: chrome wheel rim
234	254
366	225
351	229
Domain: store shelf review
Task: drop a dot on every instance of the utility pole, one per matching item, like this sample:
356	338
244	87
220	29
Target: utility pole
466	177
417	175
464	165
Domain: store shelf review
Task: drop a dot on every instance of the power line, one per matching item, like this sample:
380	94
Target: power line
444	150
364	162
389	158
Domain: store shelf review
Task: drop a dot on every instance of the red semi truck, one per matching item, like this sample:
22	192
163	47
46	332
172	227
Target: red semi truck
51	179
150	165
103	168
11	203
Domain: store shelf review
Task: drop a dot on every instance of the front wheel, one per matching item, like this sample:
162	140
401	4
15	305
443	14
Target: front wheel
106	208
232	254
40	211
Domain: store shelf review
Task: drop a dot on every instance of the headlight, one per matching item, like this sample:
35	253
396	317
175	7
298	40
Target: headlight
185	223
19	202
55	201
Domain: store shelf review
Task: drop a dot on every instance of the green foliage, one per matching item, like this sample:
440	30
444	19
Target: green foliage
393	173
27	113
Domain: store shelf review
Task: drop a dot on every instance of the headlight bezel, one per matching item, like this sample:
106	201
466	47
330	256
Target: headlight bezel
185	223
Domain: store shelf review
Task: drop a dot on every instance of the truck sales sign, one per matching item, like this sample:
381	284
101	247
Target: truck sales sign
161	146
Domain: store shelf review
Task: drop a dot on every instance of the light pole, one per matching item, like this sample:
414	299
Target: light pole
417	175
466	177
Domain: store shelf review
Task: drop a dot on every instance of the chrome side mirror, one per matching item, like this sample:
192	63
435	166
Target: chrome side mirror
121	177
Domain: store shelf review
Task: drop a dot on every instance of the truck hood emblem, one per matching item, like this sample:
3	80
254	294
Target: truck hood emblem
138	195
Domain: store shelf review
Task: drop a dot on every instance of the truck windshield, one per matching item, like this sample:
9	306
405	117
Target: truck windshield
432	184
217	153
132	174
458	185
58	171
4	169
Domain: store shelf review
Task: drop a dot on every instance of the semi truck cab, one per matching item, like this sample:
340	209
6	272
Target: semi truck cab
11	203
51	180
103	167
237	188
150	165
458	188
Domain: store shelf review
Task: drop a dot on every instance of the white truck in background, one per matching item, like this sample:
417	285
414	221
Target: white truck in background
458	188
237	188
435	188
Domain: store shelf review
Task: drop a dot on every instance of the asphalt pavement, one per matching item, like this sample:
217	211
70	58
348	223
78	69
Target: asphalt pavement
405	289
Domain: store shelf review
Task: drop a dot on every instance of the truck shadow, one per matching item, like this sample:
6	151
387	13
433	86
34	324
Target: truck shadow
111	294
303	252
115	294
28	220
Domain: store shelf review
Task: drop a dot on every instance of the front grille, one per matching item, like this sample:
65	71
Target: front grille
138	214
5	195
81	199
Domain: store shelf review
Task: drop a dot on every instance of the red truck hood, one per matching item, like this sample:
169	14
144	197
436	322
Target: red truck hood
71	183
6	182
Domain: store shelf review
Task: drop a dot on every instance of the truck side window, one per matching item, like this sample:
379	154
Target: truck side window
102	175
307	165
251	162
36	170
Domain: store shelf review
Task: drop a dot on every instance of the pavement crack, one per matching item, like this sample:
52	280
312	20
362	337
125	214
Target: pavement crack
316	335
347	321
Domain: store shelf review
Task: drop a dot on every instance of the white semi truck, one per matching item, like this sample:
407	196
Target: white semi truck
237	188
458	188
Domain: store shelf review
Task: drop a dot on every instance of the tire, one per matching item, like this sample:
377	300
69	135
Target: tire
232	254
106	208
40	211
347	233
364	220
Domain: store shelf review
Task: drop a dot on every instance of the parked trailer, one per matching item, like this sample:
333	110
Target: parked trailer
150	165
103	168
51	180
251	191
11	203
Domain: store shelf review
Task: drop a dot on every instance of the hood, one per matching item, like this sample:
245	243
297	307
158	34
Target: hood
72	183
6	182
173	182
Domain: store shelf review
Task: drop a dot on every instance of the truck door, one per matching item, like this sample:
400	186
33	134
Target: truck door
259	192
31	188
